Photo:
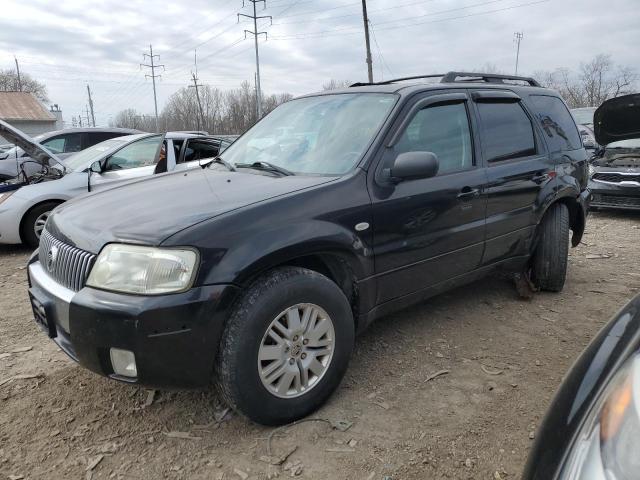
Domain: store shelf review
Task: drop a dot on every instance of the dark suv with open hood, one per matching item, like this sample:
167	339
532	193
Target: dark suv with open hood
615	168
337	208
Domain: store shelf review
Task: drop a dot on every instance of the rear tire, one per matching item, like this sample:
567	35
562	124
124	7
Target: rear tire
273	329
549	266
34	221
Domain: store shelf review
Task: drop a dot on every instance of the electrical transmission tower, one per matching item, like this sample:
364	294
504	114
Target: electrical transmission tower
517	37
255	34
153	76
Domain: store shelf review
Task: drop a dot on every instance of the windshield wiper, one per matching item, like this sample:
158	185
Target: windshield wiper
221	161
267	167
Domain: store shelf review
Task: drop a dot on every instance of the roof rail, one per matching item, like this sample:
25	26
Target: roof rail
452	77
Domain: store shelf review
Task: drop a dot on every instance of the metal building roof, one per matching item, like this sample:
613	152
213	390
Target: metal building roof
23	106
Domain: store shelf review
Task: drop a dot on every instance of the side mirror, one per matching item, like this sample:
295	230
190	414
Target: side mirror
96	167
412	165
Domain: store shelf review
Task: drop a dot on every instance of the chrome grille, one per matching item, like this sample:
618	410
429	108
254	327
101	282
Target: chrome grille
616	177
67	265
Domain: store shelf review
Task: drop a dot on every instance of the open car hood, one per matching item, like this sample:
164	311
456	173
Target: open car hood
29	145
617	119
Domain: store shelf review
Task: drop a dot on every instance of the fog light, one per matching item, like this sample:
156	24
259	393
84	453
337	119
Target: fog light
123	363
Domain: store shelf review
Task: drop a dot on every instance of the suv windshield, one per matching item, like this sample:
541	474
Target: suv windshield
323	135
86	157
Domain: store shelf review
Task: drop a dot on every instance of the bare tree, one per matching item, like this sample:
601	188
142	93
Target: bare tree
595	82
9	83
224	112
334	84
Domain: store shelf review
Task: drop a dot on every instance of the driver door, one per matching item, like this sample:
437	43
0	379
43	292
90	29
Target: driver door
134	160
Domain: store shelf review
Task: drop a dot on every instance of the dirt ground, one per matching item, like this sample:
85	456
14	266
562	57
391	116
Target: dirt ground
504	358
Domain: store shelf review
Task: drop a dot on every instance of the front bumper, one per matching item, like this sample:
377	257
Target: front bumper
625	196
174	337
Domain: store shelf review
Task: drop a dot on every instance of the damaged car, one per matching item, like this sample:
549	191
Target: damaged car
25	206
17	163
335	209
615	168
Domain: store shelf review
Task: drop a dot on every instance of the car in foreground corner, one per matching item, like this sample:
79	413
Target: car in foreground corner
24	209
615	168
592	428
335	209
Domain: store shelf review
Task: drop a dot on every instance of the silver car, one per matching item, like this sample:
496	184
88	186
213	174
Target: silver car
24	208
63	143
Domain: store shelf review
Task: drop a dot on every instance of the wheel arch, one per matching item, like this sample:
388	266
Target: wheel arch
57	201
577	215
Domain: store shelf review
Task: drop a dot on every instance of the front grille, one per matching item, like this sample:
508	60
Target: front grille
67	265
616	200
615	177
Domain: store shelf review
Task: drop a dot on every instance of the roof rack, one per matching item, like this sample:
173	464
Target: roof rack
452	77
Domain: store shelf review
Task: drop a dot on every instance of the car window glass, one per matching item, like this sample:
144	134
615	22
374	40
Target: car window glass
54	145
94	138
73	143
443	130
557	123
199	150
137	154
508	132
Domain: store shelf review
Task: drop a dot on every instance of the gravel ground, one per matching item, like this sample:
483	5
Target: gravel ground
504	358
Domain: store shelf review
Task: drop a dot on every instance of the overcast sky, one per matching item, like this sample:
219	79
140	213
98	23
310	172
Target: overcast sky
66	44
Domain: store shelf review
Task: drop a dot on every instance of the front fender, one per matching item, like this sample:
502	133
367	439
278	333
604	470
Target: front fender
262	250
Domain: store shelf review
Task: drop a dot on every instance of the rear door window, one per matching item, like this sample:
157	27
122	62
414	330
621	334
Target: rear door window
507	131
200	150
73	143
93	138
556	122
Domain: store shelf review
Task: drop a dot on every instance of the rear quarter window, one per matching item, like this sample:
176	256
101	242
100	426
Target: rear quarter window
556	122
508	133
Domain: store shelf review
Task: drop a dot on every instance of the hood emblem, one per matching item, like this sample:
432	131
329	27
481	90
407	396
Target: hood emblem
52	255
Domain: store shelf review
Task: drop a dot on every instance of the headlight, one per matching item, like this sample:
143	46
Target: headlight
143	270
5	195
608	445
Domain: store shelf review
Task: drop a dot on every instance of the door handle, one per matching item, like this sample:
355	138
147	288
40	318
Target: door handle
540	178
468	193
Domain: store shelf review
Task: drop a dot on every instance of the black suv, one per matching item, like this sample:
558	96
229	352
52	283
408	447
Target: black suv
256	271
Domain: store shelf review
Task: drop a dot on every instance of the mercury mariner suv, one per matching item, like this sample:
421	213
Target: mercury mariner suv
256	271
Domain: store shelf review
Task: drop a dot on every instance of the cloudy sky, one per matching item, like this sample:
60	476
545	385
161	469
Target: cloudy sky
67	44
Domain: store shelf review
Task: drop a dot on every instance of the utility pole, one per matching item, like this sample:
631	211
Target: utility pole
18	72
93	117
255	34
366	40
195	85
517	37
80	120
153	76
87	112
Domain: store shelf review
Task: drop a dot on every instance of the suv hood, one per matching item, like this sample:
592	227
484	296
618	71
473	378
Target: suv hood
29	145
150	210
618	119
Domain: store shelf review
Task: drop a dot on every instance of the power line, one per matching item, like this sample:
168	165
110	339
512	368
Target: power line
342	32
153	77
256	34
375	40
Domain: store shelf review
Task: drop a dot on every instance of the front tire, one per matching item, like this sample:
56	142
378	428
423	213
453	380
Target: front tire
549	268
286	346
34	221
